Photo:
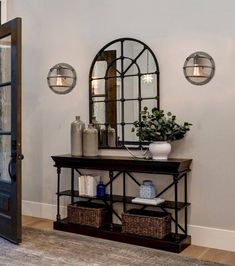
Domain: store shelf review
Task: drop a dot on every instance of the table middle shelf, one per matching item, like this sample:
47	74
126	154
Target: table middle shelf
128	199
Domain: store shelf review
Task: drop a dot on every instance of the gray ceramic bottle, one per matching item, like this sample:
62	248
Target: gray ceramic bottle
97	127
111	137
90	141
77	128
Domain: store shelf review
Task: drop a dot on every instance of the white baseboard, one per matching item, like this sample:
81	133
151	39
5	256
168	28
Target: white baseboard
212	237
42	210
201	236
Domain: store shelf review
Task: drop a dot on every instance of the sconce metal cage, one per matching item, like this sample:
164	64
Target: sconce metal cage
61	78
199	68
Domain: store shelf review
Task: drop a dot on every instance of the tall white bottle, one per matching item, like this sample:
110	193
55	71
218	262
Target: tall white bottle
77	128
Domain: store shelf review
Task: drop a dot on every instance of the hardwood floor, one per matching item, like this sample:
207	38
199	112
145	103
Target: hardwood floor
204	253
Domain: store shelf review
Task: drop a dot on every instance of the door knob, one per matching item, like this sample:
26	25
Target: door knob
20	157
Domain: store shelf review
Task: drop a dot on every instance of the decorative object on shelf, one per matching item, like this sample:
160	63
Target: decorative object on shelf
90	141
147	190
157	224
103	137
76	132
199	68
155	127
154	201
87	185
111	137
160	150
100	190
95	123
87	213
61	78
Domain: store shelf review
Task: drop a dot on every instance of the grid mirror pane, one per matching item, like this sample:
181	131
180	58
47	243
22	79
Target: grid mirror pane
125	74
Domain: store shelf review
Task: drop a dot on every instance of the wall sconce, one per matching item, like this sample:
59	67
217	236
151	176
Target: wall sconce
199	68
61	78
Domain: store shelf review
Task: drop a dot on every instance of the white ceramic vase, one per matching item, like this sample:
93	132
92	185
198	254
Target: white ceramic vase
160	150
90	141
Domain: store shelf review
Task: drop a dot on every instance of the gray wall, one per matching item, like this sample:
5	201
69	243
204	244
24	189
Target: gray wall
73	31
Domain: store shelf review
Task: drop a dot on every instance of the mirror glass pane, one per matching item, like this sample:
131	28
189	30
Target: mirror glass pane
5	59
132	49
5	157
99	70
119	112
148	86
5	109
98	87
131	87
119	135
131	111
130	136
146	63
99	111
130	68
149	103
119	88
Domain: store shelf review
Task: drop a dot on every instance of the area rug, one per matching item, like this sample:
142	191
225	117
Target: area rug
48	248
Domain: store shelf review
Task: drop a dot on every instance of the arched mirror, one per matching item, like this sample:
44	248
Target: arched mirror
124	77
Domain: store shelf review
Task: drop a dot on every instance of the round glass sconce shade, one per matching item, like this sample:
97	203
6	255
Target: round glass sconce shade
199	68
61	78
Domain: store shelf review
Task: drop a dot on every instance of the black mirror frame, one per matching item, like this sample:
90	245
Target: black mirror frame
136	144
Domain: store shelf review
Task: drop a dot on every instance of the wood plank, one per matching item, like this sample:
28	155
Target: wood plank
35	222
194	251
221	256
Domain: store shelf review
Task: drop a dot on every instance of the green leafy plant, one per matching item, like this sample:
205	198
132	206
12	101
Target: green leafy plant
155	125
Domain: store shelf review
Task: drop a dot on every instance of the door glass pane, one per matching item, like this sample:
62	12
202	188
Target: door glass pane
5	59
5	156
5	108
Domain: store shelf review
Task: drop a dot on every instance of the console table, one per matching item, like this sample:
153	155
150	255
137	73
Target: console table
125	167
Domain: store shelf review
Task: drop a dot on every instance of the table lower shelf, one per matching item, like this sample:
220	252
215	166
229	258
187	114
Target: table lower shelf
169	243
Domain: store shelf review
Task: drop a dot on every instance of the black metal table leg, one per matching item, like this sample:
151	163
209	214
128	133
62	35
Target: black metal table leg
124	191
58	216
111	195
186	202
176	207
72	185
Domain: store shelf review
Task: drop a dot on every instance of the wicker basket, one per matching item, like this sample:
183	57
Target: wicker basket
86	213
146	223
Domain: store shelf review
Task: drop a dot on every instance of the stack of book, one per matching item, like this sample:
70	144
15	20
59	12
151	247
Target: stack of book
87	185
154	201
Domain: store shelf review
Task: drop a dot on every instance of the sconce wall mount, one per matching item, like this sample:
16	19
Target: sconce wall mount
61	78
199	68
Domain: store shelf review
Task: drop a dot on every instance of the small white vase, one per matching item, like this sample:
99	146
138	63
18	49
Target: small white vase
90	141
160	150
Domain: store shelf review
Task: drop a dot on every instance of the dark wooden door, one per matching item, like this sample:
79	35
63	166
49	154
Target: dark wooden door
10	130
